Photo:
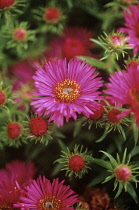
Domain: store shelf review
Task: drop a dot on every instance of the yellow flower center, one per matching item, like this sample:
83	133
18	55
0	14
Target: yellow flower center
49	203
6	207
67	91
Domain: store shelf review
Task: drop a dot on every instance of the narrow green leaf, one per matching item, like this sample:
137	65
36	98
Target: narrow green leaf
95	62
135	132
112	160
132	192
120	188
103	163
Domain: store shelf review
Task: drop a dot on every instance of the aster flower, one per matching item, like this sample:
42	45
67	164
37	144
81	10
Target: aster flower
123	88
124	171
66	89
76	162
132	26
42	194
73	42
22	172
9	191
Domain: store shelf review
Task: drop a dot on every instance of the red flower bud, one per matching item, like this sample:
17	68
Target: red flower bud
123	173
52	14
117	40
6	3
76	163
14	130
20	34
38	126
97	114
112	116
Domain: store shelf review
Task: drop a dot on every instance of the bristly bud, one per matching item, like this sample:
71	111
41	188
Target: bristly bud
14	130
6	3
39	130
113	43
123	173
112	116
75	163
38	126
52	15
20	34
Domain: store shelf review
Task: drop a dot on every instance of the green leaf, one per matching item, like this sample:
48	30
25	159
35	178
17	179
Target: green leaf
103	163
135	132
98	179
95	62
106	131
112	160
99	43
120	188
132	192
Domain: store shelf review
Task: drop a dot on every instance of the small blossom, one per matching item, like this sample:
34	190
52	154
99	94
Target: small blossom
6	3
14	130
38	126
52	15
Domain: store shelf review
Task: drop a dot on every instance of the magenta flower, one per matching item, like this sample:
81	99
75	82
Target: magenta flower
73	42
13	179
9	191
124	89
41	194
132	26
66	89
22	172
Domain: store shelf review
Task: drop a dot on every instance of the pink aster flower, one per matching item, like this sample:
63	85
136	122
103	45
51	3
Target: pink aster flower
42	194
65	89
124	89
9	191
132	26
22	172
73	42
